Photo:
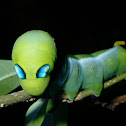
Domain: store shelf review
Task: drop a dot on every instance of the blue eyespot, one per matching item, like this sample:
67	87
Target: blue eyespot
42	72
21	74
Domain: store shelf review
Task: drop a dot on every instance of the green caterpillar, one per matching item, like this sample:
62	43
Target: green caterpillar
33	57
34	54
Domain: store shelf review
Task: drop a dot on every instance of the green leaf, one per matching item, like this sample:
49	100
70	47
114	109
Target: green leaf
57	116
36	113
49	120
42	113
8	77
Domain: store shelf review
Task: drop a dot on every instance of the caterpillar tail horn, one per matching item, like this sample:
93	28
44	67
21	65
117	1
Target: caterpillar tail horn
119	43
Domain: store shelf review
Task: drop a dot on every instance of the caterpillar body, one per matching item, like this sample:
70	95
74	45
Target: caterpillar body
34	54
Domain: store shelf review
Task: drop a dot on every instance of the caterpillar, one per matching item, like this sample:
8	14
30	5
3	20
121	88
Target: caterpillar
34	55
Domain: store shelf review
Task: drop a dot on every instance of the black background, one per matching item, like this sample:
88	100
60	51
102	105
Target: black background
78	27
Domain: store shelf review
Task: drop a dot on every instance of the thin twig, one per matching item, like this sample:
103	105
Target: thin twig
22	96
107	84
116	101
14	98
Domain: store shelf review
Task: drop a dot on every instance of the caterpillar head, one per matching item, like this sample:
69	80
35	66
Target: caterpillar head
33	57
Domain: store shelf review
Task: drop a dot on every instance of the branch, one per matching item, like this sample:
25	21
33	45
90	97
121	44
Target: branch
22	96
14	98
107	84
82	94
114	103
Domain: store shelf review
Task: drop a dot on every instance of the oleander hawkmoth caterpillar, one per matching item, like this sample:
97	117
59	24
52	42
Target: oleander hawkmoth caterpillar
33	57
34	54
